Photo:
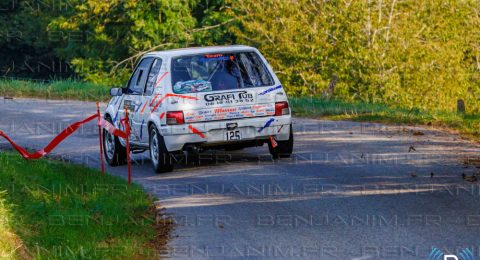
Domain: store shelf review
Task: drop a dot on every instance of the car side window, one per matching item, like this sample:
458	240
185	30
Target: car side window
152	77
138	80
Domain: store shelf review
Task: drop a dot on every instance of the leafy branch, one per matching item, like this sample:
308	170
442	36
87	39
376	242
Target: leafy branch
134	57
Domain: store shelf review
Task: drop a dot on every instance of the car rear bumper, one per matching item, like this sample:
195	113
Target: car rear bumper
213	133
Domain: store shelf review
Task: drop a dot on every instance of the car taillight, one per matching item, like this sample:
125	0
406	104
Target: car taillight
175	118
281	108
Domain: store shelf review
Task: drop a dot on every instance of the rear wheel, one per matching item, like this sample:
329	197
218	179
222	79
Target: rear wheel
115	153
161	158
284	149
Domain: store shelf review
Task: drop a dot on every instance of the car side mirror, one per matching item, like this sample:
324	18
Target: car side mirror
116	92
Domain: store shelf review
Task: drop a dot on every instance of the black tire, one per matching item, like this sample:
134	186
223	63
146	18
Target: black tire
284	148
115	153
162	160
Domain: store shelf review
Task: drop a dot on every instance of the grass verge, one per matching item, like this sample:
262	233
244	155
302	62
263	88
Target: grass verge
11	247
467	125
53	210
61	89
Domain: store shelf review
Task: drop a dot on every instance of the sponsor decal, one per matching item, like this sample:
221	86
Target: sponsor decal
225	110
234	97
117	99
130	104
196	131
280	129
216	57
270	90
138	108
143	108
269	122
192	86
213	55
225	113
153	100
171	95
115	117
160	80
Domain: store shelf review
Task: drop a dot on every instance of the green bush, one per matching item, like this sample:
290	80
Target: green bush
411	53
422	54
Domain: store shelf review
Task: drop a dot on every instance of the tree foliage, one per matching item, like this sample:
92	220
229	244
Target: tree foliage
423	54
115	30
409	53
102	40
26	47
118	32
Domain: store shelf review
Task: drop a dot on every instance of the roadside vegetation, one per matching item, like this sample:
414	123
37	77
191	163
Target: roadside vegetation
11	246
53	210
57	89
468	125
415	54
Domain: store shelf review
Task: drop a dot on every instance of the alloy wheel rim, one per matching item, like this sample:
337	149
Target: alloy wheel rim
154	147
110	145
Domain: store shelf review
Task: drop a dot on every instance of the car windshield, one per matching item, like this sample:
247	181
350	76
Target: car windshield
223	71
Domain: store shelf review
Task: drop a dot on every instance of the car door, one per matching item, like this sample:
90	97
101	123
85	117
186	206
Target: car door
133	96
143	111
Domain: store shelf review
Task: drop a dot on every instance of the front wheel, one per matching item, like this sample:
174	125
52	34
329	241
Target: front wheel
284	149
115	153
162	160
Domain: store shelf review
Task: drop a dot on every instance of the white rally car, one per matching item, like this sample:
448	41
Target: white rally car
199	98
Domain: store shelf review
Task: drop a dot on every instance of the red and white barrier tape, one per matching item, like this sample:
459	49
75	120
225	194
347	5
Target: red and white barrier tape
63	135
273	142
111	129
54	143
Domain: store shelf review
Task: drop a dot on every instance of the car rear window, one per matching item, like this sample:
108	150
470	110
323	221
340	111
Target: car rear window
221	71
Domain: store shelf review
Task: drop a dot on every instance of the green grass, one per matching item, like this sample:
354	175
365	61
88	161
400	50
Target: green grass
10	245
467	125
63	211
60	89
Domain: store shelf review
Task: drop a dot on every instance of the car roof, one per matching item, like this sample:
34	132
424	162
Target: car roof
199	50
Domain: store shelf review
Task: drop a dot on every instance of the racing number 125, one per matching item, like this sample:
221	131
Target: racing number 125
232	135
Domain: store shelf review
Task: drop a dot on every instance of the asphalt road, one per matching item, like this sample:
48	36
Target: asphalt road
350	191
